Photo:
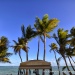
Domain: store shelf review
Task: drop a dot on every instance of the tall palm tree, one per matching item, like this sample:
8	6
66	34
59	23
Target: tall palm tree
45	26
62	39
4	44
39	34
27	35
38	48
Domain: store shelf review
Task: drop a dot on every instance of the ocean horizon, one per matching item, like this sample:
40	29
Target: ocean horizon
8	70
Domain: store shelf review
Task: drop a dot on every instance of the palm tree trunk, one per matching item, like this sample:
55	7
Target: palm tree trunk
38	51
71	64
26	60
67	65
21	60
44	47
20	56
27	52
44	51
56	61
38	48
27	56
72	59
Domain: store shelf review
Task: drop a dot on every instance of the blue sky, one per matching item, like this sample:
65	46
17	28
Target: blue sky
14	13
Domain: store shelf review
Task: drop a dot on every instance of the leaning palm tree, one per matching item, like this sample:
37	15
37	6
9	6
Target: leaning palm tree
4	44
62	39
72	42
54	48
20	45
45	26
70	52
72	45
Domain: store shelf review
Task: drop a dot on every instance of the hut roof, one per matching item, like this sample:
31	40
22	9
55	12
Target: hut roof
35	64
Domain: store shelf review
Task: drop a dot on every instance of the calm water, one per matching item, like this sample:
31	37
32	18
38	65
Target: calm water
7	70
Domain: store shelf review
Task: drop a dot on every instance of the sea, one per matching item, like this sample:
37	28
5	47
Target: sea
13	70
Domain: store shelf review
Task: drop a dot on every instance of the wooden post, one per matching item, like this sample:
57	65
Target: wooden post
26	71
51	73
43	73
29	72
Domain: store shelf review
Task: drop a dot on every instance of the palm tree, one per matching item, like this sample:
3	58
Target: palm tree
27	35
72	45
20	45
39	34
54	47
70	52
4	44
45	26
61	39
4	57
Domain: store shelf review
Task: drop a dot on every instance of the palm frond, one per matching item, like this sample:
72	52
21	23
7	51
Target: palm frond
4	44
72	31
30	33
64	67
8	54
23	31
72	59
25	48
4	60
47	35
59	59
53	46
15	42
56	38
52	24
41	38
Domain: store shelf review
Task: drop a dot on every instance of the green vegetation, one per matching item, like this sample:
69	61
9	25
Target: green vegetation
4	44
64	46
45	26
